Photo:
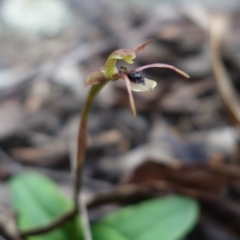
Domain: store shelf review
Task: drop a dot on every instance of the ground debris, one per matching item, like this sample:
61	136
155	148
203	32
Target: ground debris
184	138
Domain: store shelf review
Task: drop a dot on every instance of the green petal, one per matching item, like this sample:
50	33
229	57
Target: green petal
121	54
147	87
126	55
110	67
127	58
95	77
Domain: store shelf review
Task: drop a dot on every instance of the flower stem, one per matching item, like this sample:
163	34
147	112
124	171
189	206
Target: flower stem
82	138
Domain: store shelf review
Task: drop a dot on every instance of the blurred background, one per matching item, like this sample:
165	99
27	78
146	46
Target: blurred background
186	132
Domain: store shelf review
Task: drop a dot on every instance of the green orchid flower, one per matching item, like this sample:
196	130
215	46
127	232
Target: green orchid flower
133	79
98	79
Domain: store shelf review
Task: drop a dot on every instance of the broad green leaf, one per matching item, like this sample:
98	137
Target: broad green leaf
168	218
38	201
101	231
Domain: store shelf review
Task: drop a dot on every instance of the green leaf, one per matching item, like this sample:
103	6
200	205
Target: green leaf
100	231
38	201
168	218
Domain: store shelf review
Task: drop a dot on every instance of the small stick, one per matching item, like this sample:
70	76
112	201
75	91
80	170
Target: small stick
54	224
84	219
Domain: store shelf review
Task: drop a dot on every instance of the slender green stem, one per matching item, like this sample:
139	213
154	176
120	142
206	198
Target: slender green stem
82	141
82	138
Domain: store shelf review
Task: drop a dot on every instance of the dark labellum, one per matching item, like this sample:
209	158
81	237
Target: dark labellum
136	77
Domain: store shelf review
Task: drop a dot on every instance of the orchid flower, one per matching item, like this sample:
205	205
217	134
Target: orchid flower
133	79
98	79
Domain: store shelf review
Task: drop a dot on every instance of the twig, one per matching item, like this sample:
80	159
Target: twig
84	217
54	224
227	170
222	78
7	223
220	206
147	189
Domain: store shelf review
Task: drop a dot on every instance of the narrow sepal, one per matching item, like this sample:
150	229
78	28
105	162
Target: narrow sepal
162	65
130	95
